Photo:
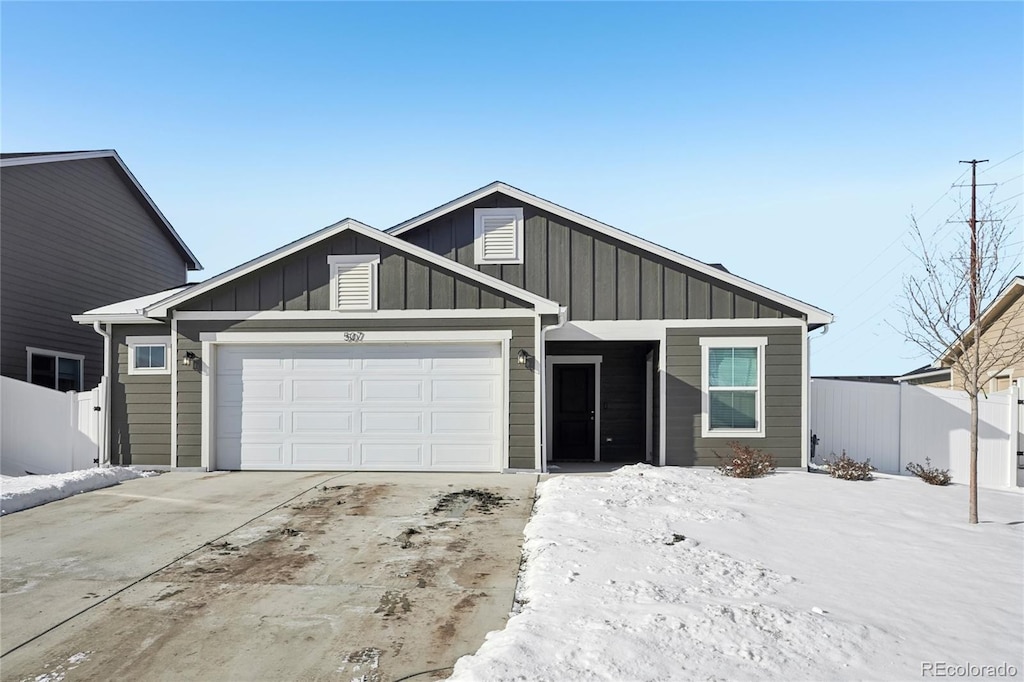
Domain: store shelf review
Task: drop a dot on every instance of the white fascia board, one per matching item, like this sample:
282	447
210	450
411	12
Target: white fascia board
541	305
814	315
125	318
413	337
459	314
653	330
111	154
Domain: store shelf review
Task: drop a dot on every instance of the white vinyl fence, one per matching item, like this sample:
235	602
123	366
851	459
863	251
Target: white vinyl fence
43	431
896	424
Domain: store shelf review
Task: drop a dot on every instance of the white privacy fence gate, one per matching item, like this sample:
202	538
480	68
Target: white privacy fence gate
43	431
896	424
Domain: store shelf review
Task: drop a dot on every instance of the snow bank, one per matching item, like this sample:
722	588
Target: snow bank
22	492
664	574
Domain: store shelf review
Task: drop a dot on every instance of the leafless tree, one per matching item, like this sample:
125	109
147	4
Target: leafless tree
938	298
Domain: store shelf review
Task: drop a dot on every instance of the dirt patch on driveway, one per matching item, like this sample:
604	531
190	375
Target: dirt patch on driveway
383	577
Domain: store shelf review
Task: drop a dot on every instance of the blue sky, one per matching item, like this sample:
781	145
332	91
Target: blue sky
788	141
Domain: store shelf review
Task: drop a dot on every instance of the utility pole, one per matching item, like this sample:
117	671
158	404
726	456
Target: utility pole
974	235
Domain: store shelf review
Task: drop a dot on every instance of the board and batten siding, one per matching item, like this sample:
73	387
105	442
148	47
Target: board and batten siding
140	405
596	276
75	237
521	379
784	390
302	282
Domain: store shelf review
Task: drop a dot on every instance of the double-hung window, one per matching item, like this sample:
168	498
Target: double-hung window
149	354
732	386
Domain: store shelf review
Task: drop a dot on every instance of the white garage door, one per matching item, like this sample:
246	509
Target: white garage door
360	406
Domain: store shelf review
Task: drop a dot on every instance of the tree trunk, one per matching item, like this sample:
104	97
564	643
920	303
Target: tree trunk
974	459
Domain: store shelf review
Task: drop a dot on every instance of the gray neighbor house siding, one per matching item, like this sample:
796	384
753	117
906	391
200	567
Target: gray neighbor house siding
76	236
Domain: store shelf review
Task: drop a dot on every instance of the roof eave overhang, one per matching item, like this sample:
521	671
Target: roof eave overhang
122	318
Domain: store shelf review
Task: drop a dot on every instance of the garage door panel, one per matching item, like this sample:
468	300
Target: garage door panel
391	422
263	422
463	455
320	390
459	390
360	406
262	454
256	390
338	422
392	454
396	364
463	422
321	455
390	390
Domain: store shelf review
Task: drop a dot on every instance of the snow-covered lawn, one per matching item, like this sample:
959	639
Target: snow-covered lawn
22	492
682	574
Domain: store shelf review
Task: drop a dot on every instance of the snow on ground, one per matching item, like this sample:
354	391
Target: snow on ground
22	492
671	573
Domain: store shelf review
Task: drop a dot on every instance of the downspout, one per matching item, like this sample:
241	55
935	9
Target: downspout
104	453
542	356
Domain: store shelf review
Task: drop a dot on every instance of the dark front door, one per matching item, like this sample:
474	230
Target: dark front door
573	412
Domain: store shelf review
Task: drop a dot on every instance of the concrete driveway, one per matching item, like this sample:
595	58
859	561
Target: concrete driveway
246	576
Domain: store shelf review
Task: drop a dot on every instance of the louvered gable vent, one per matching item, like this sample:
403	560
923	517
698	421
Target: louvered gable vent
499	235
354	282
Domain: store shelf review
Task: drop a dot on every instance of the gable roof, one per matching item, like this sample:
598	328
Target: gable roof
130	310
815	316
987	316
161	307
12	159
923	372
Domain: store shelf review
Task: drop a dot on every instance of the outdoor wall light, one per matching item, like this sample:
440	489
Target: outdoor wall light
524	358
189	359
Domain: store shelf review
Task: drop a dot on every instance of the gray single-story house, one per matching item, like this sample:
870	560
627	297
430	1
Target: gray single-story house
498	331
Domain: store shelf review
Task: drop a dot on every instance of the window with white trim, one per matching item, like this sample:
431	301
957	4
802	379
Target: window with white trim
54	369
149	354
732	386
498	235
354	282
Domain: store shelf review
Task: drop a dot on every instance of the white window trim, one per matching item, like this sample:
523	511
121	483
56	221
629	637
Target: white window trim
335	262
32	350
758	342
134	341
478	226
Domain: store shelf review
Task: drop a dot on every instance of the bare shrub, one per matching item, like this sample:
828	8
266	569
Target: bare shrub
849	469
746	462
928	473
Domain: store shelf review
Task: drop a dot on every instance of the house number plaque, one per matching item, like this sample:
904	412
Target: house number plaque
354	337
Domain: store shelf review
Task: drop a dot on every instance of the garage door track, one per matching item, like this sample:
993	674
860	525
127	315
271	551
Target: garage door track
276	576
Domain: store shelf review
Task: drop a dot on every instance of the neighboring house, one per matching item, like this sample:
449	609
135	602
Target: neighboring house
78	231
1002	333
498	331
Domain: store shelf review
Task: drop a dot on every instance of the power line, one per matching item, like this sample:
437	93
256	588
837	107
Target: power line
1011	156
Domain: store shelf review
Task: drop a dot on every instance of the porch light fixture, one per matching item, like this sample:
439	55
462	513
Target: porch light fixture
189	360
524	358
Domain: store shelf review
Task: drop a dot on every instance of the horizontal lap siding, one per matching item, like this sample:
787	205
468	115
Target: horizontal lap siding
302	282
521	379
596	276
784	390
75	237
140	406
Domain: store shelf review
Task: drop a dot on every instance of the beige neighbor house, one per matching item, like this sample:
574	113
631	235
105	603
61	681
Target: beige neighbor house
1002	333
